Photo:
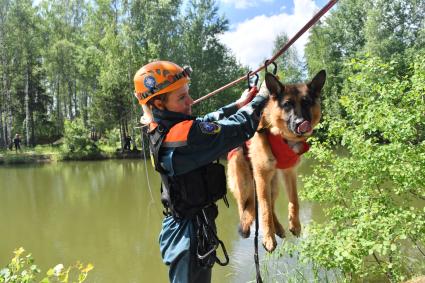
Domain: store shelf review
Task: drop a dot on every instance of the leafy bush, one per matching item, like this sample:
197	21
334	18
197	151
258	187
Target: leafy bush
22	269
375	191
111	139
77	137
77	142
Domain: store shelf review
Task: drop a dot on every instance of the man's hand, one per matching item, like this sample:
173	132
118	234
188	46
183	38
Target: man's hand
246	97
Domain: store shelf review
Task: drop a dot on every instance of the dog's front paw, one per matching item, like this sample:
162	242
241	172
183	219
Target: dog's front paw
269	243
244	231
295	227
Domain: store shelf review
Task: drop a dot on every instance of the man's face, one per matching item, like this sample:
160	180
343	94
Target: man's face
180	101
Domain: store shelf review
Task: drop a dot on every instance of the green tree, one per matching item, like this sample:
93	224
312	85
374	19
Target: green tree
392	27
211	61
5	68
24	47
112	102
77	138
290	69
375	189
63	34
154	30
340	37
69	59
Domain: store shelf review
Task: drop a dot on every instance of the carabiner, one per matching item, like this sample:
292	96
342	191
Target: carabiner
226	256
266	63
207	253
248	79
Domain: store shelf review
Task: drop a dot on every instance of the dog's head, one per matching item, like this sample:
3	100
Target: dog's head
294	109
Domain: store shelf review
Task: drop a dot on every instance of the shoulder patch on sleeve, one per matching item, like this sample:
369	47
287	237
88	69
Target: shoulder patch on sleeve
209	128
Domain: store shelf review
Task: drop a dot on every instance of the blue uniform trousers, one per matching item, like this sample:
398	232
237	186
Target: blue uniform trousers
177	242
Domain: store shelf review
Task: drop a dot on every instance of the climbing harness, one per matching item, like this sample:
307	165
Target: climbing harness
184	196
306	27
208	241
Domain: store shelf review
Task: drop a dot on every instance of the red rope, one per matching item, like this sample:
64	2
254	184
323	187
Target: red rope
307	26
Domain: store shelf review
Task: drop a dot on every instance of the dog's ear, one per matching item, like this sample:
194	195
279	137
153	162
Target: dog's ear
316	84
273	85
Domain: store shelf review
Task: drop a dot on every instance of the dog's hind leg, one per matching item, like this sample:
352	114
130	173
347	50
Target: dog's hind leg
241	184
248	216
275	192
290	177
263	180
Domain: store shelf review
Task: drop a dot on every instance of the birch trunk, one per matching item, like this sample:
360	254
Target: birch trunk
2	140
84	105
122	137
7	100
74	98
8	109
70	107
58	106
3	113
9	116
27	109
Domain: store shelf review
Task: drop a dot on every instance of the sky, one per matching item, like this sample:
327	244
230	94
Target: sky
254	25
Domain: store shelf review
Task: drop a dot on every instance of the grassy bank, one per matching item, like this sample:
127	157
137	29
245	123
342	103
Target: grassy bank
46	154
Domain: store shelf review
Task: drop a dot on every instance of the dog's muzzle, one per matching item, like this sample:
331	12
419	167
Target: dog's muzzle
303	127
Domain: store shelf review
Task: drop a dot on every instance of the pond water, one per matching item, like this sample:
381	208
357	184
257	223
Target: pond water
103	212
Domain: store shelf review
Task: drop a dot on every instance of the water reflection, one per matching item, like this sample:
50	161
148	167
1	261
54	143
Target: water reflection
102	212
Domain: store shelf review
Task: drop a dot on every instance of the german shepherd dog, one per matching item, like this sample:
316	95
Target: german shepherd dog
291	114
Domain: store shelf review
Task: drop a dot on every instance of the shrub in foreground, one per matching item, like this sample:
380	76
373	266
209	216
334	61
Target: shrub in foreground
22	269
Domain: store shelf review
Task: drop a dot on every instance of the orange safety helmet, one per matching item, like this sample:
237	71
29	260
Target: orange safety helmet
157	78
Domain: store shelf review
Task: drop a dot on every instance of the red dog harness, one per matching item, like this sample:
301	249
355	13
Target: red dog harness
285	156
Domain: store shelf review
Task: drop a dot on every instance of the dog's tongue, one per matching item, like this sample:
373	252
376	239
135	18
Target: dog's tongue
304	127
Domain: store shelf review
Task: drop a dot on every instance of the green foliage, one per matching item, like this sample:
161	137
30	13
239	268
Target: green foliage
111	139
77	139
212	63
22	269
375	189
285	265
393	26
81	56
289	64
385	29
340	37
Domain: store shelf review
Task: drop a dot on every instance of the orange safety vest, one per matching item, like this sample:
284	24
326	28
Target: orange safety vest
177	135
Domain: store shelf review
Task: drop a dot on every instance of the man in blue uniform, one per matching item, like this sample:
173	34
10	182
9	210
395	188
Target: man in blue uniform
184	149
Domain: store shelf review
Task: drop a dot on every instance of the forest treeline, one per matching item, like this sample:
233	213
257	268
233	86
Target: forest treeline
63	60
75	59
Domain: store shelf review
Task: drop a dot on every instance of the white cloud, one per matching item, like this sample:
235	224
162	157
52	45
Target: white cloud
252	40
243	4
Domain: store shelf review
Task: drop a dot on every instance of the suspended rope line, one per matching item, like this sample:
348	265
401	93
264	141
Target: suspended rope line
256	257
307	26
146	165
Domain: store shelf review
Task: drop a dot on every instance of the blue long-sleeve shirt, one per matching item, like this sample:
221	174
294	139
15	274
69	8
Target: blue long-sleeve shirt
210	136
